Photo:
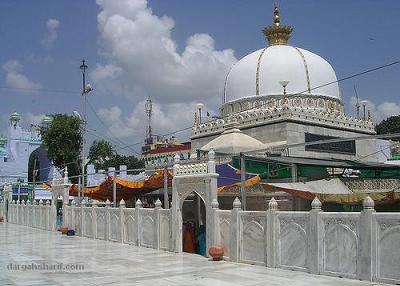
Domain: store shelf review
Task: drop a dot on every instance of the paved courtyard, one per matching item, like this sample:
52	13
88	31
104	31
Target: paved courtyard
108	263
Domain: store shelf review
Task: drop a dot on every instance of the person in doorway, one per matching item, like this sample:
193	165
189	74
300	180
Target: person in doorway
201	241
188	238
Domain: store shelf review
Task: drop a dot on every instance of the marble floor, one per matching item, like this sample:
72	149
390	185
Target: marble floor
108	263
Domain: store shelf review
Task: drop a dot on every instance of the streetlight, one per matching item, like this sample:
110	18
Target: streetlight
86	88
364	104
199	107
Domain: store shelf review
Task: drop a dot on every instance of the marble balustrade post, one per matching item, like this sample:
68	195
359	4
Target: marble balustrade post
215	228
17	208
270	234
138	218
122	219
94	218
157	226
315	244
107	219
48	209
54	213
367	241
235	231
73	224
82	217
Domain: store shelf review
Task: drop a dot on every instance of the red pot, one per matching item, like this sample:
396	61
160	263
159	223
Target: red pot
216	252
64	229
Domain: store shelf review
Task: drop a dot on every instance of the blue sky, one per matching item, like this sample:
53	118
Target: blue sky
40	59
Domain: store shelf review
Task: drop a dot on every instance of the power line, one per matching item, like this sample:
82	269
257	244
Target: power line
307	90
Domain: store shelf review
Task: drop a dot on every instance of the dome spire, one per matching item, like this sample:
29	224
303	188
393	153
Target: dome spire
277	34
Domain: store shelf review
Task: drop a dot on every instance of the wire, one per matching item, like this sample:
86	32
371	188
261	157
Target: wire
264	104
106	128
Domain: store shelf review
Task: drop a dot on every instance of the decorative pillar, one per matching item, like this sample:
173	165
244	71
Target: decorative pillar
235	231
214	238
157	226
138	218
95	204
315	238
366	264
271	234
73	223
122	206
48	208
65	196
176	221
107	219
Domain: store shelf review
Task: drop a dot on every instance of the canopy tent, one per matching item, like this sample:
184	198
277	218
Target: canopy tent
233	141
124	189
332	190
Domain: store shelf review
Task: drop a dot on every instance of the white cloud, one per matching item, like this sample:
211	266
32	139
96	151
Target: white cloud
51	35
166	118
380	111
16	79
142	60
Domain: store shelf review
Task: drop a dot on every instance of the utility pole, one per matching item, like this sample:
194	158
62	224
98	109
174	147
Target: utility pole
166	199
85	90
34	180
242	180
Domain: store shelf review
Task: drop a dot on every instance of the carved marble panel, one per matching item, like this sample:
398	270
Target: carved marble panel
292	243
340	244
388	247
78	221
147	230
252	248
115	225
100	223
130	229
164	229
88	228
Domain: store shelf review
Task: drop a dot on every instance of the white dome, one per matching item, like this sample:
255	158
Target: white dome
304	70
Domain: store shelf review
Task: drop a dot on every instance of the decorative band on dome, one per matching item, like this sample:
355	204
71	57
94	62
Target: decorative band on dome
277	34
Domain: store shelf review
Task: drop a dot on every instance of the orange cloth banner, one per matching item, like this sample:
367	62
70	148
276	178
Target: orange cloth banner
125	189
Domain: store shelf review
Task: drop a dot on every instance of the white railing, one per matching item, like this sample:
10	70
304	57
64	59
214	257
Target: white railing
362	245
38	215
137	226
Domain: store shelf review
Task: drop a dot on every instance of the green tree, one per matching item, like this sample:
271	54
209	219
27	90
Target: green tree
100	153
62	138
389	125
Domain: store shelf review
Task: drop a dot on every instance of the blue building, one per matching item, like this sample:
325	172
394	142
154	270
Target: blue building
17	149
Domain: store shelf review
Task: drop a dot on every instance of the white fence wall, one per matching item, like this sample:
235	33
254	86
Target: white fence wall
362	245
37	215
136	226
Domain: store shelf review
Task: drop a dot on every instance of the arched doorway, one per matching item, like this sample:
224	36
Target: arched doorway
194	223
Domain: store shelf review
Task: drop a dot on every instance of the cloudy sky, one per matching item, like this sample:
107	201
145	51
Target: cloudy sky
178	52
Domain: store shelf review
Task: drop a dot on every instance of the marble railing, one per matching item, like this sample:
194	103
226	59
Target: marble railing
38	215
262	116
137	226
360	245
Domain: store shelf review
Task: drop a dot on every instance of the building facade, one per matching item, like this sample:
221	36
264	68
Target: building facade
282	93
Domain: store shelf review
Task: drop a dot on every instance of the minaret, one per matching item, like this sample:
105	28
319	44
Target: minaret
276	33
14	119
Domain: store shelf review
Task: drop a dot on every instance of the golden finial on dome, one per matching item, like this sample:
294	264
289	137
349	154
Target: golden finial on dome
277	34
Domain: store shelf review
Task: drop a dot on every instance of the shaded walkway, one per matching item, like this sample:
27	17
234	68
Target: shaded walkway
108	263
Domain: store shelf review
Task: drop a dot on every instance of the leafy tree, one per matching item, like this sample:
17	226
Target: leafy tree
62	138
100	153
389	125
